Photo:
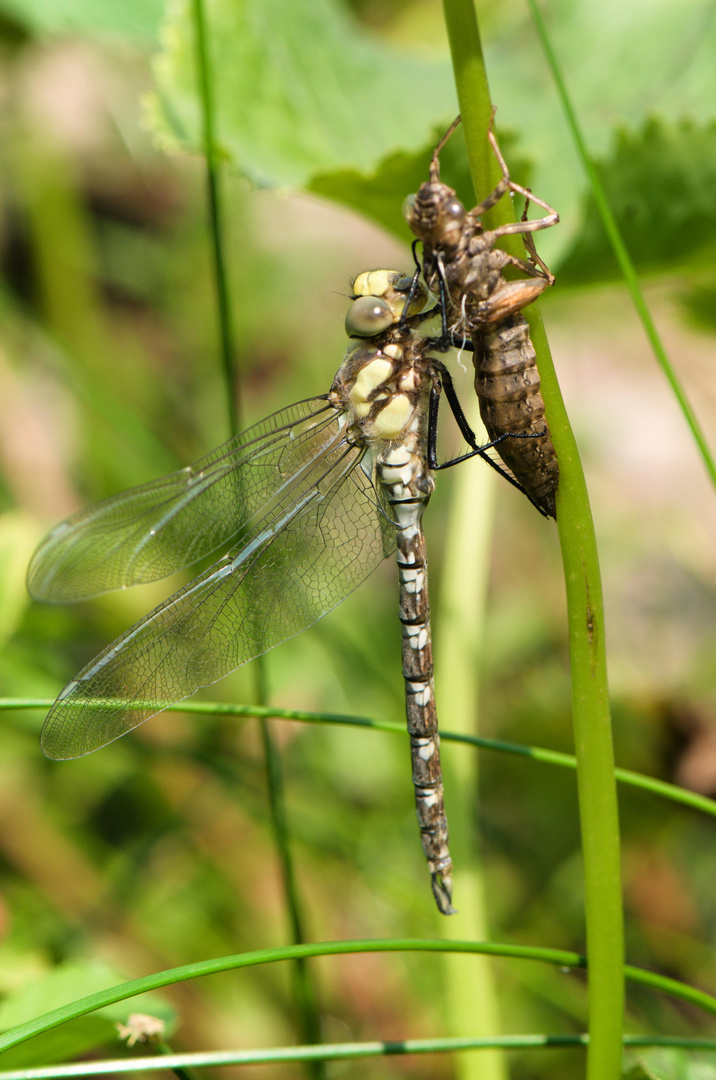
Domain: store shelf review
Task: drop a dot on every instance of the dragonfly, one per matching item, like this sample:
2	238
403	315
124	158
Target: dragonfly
308	502
462	264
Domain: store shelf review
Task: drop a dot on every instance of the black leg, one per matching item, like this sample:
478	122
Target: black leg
443	381
412	290
456	409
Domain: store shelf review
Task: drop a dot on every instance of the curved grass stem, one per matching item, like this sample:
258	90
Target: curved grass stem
662	788
558	957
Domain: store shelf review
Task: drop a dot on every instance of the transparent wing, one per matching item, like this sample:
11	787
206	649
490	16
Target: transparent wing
153	530
322	536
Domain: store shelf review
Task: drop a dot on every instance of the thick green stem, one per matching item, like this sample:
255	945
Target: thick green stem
590	704
470	995
479	998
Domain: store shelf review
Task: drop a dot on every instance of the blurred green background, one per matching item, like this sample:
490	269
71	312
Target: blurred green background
157	850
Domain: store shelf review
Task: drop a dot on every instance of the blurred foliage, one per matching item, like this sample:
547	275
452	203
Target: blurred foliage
52	989
699	303
378	194
658	184
670	1064
287	111
361	109
135	19
157	851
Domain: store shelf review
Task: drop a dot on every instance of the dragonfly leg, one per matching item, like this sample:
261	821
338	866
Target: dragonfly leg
443	381
412	291
551	218
435	160
528	240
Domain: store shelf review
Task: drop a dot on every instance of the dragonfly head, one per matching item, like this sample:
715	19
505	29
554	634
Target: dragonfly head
379	299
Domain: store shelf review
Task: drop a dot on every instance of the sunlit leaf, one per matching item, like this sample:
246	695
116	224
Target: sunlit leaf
129	18
613	83
306	97
300	89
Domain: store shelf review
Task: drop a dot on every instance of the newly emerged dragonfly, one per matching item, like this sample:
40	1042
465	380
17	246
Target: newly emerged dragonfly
462	264
309	502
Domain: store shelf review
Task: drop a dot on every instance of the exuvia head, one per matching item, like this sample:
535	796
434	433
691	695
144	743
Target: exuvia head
436	215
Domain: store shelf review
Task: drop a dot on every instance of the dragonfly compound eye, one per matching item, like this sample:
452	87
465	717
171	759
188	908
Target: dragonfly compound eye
408	205
368	316
452	221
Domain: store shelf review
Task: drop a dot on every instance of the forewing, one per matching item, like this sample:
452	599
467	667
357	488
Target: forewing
318	542
153	530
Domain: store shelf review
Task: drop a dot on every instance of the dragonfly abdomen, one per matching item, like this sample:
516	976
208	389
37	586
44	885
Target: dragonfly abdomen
421	715
407	487
507	384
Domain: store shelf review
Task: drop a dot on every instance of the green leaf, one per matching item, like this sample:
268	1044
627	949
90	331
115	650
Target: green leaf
58	987
670	1064
300	90
660	184
613	84
306	97
128	18
380	194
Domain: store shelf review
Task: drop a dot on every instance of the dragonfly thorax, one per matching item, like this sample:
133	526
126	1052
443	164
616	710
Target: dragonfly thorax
382	383
380	389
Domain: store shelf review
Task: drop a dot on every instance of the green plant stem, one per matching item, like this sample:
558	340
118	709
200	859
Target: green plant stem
469	69
185	1070
590	703
558	957
305	991
228	354
342	1052
306	999
469	994
619	247
660	788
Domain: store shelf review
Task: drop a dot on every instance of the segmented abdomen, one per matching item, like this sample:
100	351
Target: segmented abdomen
407	486
507	384
421	715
